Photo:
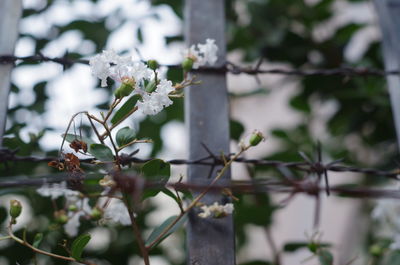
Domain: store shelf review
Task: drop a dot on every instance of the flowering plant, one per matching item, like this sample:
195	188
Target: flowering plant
120	193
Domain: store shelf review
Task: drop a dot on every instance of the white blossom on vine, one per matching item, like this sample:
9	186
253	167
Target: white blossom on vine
153	103
71	228
57	190
216	210
116	212
202	54
110	64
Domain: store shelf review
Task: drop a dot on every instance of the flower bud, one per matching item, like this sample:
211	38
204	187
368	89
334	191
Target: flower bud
61	217
15	209
376	250
151	86
126	88
153	64
313	247
187	64
72	208
96	214
256	137
220	214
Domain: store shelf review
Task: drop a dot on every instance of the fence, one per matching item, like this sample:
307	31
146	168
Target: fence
212	242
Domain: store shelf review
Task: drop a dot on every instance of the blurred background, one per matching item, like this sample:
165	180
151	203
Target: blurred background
350	116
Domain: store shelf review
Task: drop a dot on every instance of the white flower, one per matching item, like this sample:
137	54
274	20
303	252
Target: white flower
165	87
57	190
72	226
153	103
206	211
205	53
228	208
140	71
100	68
209	51
110	64
216	210
117	212
194	54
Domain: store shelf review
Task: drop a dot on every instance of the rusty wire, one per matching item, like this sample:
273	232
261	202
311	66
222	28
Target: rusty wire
228	67
306	164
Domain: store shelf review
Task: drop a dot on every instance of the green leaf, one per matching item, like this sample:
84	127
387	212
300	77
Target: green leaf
325	257
157	231
293	246
125	136
158	172
78	245
37	240
170	194
101	152
236	129
125	109
71	137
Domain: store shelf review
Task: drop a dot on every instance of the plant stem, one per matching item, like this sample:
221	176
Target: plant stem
103	136
113	145
112	107
136	141
22	242
197	199
94	129
69	125
138	235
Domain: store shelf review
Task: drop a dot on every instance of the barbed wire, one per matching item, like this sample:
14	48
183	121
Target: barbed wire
228	67
259	186
307	165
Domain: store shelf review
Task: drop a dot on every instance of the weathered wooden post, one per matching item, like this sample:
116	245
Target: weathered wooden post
389	17
210	241
10	13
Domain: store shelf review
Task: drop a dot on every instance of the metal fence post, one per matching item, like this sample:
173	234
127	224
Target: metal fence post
210	241
10	13
388	12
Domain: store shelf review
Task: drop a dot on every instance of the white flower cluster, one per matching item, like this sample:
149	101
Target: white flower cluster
386	213
116	211
71	228
110	64
203	54
56	190
153	103
216	210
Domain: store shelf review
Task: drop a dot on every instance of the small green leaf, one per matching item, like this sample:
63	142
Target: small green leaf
158	172
125	109
236	129
157	231
125	136
325	257
170	194
78	245
102	152
37	240
71	137
293	246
